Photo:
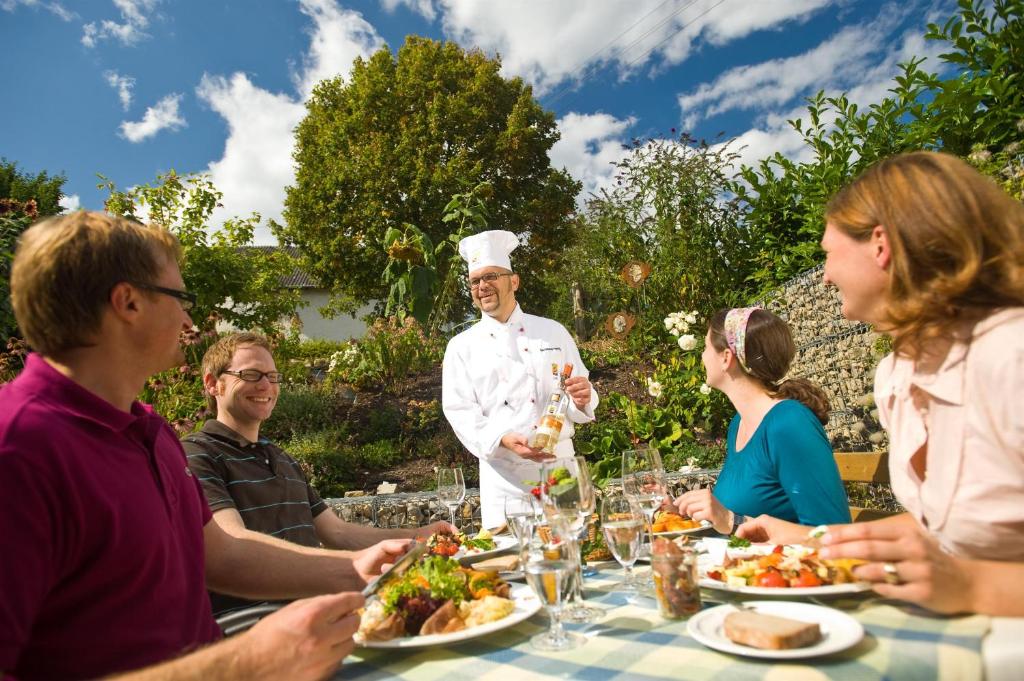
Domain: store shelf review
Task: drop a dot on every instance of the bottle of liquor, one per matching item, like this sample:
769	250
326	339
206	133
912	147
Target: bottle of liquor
551	422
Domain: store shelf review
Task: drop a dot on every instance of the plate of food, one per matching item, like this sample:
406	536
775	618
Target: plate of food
775	570
779	630
439	602
671	525
461	547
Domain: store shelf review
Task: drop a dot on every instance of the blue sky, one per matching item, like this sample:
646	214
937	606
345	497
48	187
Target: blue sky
133	88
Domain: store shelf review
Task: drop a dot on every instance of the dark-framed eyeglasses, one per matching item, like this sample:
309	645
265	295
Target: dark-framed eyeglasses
490	278
254	375
186	298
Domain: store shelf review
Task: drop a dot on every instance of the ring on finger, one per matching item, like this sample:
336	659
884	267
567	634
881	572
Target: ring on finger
892	575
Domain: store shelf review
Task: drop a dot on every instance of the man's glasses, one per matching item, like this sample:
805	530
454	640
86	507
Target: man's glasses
489	278
188	300
254	375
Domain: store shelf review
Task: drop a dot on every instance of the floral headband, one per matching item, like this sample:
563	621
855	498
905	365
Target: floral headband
736	332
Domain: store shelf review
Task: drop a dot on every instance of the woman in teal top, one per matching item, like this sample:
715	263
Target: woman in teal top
778	458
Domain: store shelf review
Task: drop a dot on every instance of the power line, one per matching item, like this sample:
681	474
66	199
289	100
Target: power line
580	70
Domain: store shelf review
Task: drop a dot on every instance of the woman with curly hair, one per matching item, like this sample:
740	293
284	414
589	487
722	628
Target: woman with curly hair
778	459
932	253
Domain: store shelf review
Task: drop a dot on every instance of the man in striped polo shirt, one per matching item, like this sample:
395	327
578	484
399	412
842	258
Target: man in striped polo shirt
250	483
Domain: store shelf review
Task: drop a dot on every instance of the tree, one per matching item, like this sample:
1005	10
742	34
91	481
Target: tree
666	209
391	146
23	199
232	281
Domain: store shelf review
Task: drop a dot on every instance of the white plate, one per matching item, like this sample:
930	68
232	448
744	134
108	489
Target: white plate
678	533
715	549
839	631
501	543
522	595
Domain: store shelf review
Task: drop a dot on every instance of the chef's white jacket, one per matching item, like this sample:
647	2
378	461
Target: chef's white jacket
497	379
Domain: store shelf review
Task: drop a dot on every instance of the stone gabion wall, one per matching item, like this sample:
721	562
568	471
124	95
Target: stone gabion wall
836	354
415	509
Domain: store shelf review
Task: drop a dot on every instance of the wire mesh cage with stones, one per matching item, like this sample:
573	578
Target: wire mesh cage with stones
835	353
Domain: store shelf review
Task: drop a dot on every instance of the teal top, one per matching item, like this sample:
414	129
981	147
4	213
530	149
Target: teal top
786	470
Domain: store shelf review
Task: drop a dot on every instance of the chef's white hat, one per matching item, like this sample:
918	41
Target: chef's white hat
488	249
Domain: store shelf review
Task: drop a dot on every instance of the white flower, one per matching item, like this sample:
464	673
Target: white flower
705	389
691	317
688	342
653	388
669	323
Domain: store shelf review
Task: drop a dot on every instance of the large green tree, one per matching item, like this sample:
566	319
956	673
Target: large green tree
24	198
392	145
231	280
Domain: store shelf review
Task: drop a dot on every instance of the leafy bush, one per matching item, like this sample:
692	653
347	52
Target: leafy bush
390	352
375	455
323	460
301	410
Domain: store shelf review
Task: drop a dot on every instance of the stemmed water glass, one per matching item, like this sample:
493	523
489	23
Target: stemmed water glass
643	481
521	514
622	522
570	500
451	489
548	562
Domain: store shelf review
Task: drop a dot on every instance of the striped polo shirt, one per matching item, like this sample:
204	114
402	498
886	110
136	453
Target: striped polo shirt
266	486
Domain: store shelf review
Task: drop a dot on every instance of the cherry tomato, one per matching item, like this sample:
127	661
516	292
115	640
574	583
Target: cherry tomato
778	549
715	574
770	578
805	578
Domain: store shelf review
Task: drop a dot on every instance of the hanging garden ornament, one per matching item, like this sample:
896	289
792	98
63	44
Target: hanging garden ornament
619	324
635	272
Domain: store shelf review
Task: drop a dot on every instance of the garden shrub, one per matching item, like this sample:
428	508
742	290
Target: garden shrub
391	351
300	410
323	459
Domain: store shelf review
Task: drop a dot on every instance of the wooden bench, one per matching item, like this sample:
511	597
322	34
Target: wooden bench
864	467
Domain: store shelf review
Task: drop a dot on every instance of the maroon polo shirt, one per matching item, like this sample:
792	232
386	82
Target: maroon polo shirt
101	534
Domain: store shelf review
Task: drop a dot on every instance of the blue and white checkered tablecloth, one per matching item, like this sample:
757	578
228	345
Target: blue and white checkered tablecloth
634	642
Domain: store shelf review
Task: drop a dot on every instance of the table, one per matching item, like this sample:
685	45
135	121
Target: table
633	641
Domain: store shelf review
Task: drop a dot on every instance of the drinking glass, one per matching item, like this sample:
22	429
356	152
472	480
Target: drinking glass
643	480
622	522
521	513
548	563
451	489
570	500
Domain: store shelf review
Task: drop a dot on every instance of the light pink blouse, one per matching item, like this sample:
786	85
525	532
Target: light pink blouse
970	412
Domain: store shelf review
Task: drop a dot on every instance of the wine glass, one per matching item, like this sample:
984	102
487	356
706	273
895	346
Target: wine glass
521	513
643	480
567	495
548	564
451	489
622	522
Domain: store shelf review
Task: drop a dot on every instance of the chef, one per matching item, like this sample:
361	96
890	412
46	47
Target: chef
499	374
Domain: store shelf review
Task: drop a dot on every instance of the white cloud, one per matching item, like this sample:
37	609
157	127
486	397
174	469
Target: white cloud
589	145
868	84
423	7
163	115
55	7
848	61
337	38
70	203
130	32
123	85
548	43
257	165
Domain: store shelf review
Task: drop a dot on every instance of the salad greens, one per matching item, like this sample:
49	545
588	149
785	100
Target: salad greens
738	542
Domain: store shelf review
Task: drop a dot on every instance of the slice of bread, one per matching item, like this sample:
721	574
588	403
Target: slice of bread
498	563
769	632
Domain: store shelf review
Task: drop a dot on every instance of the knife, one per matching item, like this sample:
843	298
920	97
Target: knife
398	569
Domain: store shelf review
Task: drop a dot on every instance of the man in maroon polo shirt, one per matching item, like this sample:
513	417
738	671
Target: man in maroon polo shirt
106	544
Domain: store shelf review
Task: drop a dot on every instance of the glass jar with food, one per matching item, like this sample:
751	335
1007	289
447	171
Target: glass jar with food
676	586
